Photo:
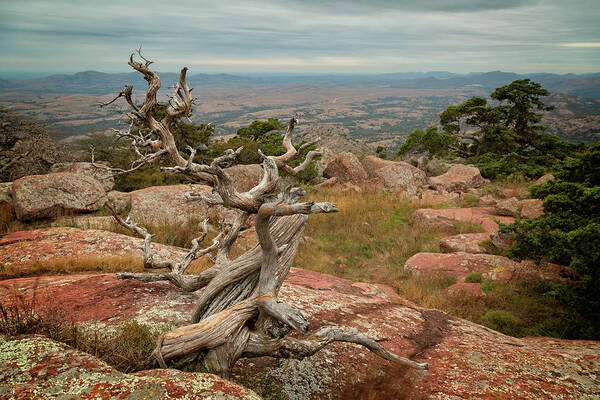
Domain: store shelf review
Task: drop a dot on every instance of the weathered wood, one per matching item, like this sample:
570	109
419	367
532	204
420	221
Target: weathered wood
237	313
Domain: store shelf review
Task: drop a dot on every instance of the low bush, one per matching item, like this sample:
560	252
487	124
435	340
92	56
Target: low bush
474	277
503	321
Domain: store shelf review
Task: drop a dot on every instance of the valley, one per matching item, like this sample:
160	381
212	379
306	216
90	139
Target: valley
376	116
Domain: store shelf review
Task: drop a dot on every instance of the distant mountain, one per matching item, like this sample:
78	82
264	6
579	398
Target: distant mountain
99	83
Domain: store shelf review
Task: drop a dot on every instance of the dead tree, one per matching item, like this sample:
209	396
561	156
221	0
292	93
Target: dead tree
238	313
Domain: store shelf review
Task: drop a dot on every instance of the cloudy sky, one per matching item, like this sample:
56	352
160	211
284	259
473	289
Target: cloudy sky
301	36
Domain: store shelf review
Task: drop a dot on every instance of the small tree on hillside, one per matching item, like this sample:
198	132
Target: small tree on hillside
238	313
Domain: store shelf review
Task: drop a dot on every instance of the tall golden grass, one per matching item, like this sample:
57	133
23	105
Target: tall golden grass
370	239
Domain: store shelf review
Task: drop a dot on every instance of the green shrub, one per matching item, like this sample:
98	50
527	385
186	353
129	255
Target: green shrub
474	277
504	322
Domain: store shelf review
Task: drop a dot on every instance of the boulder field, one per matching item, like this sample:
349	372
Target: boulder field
75	188
467	253
390	176
466	360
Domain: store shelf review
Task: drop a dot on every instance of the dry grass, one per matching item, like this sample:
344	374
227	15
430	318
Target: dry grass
126	347
370	239
89	263
69	265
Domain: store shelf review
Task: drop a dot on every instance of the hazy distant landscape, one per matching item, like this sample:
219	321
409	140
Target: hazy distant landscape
377	109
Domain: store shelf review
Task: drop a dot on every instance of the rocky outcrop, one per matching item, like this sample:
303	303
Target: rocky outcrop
334	139
487	200
544	179
518	192
102	175
44	196
436	197
448	217
25	248
492	267
245	176
168	204
394	176
458	178
529	208
467	243
347	169
466	360
20	250
532	208
509	207
35	367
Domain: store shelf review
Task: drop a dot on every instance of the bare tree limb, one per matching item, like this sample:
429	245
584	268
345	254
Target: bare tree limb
237	311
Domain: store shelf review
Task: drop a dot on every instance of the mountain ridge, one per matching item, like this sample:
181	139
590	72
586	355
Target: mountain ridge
96	82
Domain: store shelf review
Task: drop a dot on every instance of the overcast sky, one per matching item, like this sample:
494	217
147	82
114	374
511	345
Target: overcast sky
302	36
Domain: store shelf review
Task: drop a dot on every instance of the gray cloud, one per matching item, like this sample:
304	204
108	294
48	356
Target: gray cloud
302	36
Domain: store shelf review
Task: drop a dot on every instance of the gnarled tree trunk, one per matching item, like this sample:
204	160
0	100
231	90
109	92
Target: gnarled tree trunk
238	313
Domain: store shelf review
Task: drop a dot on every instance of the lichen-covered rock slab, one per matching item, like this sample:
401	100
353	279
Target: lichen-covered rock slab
447	217
102	175
467	361
24	248
346	168
544	179
394	176
509	207
466	242
532	208
168	204
50	195
434	197
459	177
35	367
493	267
245	176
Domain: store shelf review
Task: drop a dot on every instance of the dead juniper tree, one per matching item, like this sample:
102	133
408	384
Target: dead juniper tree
238	313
